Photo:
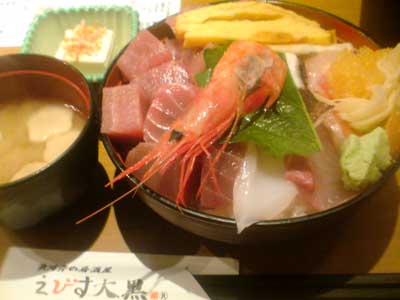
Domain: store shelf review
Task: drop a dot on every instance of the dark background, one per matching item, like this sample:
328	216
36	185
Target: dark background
381	20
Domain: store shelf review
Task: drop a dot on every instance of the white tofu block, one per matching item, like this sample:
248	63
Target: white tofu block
101	57
48	121
28	169
57	144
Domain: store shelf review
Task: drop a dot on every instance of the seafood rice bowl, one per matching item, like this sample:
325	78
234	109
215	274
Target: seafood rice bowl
278	122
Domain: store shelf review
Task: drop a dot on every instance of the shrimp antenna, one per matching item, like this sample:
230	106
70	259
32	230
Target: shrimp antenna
133	190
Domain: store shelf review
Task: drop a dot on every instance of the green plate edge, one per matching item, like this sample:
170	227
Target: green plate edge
26	44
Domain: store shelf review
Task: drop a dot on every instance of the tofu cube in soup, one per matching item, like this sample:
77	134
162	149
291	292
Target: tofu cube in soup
34	133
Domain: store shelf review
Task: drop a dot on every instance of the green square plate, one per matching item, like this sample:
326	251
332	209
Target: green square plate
47	31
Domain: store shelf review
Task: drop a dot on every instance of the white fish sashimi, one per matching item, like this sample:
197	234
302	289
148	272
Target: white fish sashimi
50	120
260	191
325	165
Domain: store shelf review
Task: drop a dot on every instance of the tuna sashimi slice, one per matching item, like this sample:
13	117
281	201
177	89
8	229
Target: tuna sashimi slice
218	191
191	59
143	53
170	72
123	112
170	101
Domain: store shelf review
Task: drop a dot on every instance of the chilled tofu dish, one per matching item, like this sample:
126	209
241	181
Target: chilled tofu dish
254	112
34	132
88	47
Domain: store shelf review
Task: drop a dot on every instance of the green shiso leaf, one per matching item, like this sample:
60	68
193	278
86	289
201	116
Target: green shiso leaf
211	58
203	78
285	129
213	55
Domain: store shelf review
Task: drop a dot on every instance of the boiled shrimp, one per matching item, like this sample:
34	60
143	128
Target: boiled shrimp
247	76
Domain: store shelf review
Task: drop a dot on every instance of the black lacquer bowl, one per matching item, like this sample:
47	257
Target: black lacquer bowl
29	200
224	229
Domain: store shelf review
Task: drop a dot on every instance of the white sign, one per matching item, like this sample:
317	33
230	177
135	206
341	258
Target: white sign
58	275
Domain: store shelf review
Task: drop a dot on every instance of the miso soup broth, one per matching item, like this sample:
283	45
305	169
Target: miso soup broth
33	133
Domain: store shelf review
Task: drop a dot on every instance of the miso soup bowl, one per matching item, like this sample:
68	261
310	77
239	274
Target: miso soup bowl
29	200
224	229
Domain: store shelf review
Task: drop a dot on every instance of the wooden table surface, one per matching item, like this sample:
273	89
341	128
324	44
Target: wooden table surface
369	242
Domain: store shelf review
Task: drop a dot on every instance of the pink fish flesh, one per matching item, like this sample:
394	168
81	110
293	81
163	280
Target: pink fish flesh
123	112
143	53
170	101
165	182
316	68
169	72
191	59
218	191
299	172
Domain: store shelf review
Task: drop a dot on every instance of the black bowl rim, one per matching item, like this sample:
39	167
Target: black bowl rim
229	221
91	118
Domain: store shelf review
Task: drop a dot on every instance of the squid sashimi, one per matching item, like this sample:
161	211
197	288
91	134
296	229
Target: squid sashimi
261	192
170	101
